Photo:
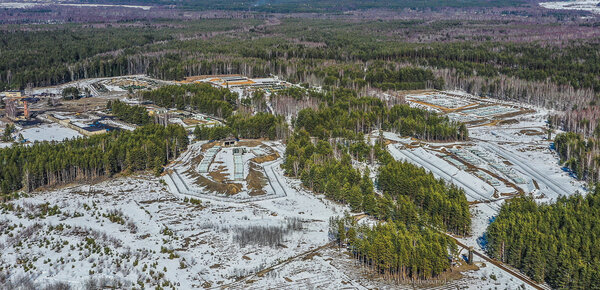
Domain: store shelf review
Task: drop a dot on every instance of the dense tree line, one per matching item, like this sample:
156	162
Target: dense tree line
212	133
394	250
132	114
350	117
303	6
444	204
556	243
47	54
406	78
260	125
579	154
200	97
51	163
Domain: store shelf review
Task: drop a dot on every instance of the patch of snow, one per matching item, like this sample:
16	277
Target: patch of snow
49	132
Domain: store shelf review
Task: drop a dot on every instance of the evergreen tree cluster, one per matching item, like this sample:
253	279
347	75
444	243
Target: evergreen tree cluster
131	114
441	203
260	125
212	133
201	97
580	155
408	244
394	250
71	93
52	163
350	117
406	78
556	243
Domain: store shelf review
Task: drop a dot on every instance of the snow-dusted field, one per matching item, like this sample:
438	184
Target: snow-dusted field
16	5
49	132
583	5
106	5
508	154
133	229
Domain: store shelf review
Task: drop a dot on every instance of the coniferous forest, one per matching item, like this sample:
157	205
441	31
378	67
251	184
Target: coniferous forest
556	243
49	164
132	114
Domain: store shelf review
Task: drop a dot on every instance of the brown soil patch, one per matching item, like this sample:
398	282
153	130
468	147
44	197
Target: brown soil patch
359	217
531	132
196	160
263	272
250	143
256	181
537	186
454	273
446	109
218	175
224	188
508	122
190	122
311	256
207	146
265	158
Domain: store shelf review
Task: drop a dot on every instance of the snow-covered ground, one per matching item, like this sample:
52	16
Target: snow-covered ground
475	188
508	155
49	132
16	5
118	124
583	5
106	5
183	178
151	236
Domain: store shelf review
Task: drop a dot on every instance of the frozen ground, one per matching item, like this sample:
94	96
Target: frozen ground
507	156
583	5
20	5
106	5
182	178
475	188
49	132
133	229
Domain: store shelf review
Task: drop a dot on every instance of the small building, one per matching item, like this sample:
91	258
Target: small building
230	142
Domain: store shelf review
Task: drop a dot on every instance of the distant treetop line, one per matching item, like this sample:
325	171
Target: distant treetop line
289	6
